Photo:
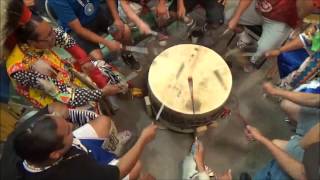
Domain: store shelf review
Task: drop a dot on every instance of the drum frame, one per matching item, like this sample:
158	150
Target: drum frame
180	122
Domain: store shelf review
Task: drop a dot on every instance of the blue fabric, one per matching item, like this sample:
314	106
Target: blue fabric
272	171
294	149
308	117
290	61
69	10
102	156
4	84
312	87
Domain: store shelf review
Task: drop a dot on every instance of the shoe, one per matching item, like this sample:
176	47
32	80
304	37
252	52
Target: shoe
244	40
123	138
190	22
131	61
258	62
116	143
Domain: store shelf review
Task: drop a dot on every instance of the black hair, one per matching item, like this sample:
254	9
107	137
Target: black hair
35	143
14	13
28	31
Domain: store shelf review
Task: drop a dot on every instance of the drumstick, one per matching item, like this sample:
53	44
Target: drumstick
190	82
160	36
180	70
136	49
218	76
159	112
225	32
154	33
131	76
242	120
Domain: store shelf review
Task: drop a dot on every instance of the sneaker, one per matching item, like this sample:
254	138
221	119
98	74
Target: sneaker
244	40
131	61
190	22
116	143
123	138
258	61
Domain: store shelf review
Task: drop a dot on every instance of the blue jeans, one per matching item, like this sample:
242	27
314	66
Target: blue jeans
272	171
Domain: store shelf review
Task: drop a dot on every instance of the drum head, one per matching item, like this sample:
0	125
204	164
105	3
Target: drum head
169	72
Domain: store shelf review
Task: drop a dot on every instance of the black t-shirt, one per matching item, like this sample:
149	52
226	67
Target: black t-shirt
80	166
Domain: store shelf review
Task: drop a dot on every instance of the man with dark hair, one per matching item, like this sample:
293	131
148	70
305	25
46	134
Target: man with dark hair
50	150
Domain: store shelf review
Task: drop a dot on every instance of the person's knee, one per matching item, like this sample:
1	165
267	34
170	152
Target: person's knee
280	143
102	126
275	141
287	106
104	121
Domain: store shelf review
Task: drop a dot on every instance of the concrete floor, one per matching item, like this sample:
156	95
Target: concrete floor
225	146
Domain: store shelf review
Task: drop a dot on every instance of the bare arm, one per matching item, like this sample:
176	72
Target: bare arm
128	161
294	168
292	45
304	99
144	28
289	46
290	165
242	6
85	33
113	8
161	9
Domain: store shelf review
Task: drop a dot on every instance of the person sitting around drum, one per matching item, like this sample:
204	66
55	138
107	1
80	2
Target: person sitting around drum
42	76
193	166
88	20
100	75
302	106
50	149
277	19
297	65
144	28
179	8
286	164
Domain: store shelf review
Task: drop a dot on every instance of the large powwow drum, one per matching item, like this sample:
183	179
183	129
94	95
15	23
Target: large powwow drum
168	85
